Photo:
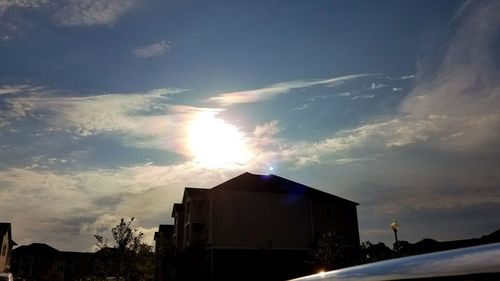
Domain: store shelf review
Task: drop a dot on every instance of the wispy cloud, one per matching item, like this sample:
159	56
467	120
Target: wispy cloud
458	110
152	50
256	95
143	119
376	86
98	198
404	77
18	89
301	108
437	154
93	12
22	4
69	12
345	94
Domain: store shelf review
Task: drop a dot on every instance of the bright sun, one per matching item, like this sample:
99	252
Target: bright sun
215	143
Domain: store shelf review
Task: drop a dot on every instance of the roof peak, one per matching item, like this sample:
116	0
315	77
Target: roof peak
272	183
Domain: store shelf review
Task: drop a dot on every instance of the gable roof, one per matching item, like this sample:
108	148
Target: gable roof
36	248
275	184
194	193
176	209
167	229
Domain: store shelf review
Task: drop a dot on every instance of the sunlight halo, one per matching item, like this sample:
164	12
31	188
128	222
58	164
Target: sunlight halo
215	143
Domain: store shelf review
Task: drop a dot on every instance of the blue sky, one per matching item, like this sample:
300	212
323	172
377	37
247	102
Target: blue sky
109	108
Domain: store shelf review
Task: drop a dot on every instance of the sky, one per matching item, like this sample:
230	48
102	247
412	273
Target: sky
109	108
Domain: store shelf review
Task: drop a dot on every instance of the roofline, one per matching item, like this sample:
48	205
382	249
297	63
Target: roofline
313	190
298	183
174	207
317	190
195	188
192	189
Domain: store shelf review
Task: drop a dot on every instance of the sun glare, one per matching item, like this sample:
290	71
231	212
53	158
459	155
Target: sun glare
215	143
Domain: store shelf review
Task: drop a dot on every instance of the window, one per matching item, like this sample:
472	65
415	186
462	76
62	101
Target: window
329	213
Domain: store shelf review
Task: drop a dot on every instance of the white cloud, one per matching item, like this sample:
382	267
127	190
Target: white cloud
74	12
466	90
267	130
37	200
345	94
18	89
152	50
143	120
458	110
102	224
23	4
376	86
256	95
407	77
45	206
301	108
93	12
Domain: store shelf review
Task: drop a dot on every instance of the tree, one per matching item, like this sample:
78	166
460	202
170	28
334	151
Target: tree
332	250
375	252
128	257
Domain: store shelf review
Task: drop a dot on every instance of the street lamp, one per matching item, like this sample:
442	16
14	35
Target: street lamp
395	227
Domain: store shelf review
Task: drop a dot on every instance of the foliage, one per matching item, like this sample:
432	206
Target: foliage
332	251
128	257
375	252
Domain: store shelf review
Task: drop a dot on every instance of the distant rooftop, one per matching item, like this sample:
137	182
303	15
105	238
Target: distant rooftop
37	248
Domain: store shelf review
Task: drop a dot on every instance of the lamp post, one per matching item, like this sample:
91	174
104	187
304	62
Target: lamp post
395	226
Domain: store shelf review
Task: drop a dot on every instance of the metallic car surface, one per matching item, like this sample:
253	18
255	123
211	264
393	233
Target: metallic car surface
472	263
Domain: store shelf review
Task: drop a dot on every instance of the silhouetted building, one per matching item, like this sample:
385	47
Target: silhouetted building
39	261
379	251
78	265
6	246
178	235
428	245
164	252
259	226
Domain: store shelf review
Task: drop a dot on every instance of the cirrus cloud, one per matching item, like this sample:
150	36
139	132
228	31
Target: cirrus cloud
93	12
152	50
22	4
269	92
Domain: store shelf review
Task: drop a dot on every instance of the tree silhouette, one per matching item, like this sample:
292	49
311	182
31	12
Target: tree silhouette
331	250
375	252
128	257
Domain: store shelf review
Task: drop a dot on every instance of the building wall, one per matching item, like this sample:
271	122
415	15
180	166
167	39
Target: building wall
195	221
179	229
259	220
336	216
164	253
4	255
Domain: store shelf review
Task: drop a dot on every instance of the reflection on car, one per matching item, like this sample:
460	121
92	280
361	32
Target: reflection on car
6	277
472	263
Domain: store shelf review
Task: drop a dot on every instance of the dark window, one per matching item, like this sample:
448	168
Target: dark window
198	227
329	213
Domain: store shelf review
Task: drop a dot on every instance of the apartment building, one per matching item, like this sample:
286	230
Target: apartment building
260	223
